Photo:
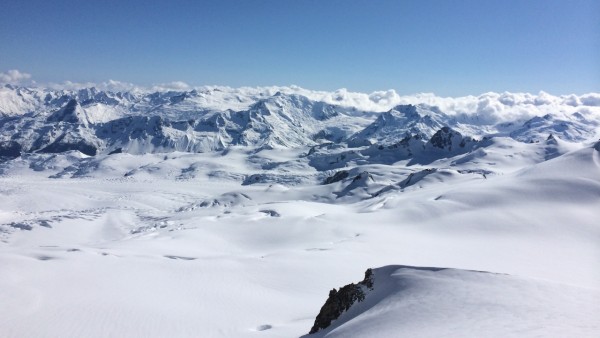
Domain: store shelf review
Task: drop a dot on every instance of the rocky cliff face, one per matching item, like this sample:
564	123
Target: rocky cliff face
341	300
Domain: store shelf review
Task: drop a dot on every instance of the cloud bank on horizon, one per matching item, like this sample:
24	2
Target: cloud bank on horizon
14	76
490	106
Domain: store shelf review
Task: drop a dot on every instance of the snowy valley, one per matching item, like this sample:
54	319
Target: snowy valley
232	212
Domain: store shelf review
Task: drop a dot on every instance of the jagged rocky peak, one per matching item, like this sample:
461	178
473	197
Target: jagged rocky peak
449	139
405	120
339	301
69	113
551	140
443	138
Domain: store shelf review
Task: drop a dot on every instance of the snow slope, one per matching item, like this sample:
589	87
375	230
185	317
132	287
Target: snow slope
438	302
238	223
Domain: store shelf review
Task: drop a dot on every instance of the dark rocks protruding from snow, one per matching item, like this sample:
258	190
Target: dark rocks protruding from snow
361	187
225	201
62	145
442	138
21	226
338	176
448	139
341	300
271	213
413	178
365	176
10	149
116	151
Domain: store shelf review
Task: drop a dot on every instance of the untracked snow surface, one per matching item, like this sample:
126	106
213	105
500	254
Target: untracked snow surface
437	302
186	214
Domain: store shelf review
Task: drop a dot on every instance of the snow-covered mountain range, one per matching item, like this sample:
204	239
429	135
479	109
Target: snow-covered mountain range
231	212
102	122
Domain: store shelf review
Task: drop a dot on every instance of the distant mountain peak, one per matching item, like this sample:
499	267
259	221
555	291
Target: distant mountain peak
70	113
403	121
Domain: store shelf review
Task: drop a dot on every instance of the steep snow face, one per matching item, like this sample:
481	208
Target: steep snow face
284	121
402	121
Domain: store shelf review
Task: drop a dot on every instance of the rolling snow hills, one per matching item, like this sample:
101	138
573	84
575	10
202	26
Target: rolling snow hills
231	212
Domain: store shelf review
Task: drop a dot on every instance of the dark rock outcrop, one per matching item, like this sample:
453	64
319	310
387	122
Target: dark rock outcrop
10	149
340	301
451	140
338	176
70	113
62	145
364	177
416	177
116	151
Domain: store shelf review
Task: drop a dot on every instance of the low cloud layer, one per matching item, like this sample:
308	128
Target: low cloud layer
14	76
490	107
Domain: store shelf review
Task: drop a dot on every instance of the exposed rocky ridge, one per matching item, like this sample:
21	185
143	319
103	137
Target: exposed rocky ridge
278	121
102	122
402	121
341	300
338	176
416	149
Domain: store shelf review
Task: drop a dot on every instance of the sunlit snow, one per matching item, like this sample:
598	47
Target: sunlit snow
222	212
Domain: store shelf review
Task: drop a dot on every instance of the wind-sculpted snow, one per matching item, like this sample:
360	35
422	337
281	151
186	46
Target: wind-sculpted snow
225	212
433	302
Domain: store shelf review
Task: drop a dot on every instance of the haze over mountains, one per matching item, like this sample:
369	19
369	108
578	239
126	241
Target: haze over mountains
226	212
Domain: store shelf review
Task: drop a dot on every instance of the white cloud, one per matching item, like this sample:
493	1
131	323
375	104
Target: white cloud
490	107
14	76
175	86
572	100
69	85
118	86
544	98
592	99
110	85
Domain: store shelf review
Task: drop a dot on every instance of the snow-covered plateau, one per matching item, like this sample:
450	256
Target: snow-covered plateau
234	212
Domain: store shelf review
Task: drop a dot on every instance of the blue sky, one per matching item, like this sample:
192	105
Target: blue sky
446	47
